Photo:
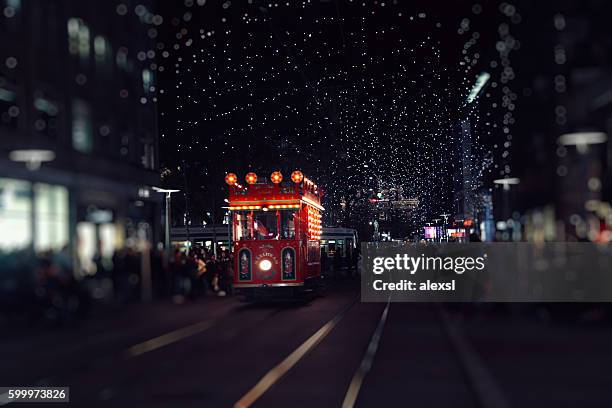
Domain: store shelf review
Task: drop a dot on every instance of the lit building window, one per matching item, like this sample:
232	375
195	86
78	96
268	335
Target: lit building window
82	138
78	38
15	214
46	118
102	49
12	7
9	111
84	41
147	80
51	215
148	157
122	59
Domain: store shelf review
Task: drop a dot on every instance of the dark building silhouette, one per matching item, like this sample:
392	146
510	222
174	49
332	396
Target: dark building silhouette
566	78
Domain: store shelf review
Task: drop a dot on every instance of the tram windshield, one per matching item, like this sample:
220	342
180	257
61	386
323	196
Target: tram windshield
260	224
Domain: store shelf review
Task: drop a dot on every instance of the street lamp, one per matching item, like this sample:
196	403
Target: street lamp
32	158
168	193
582	140
507	182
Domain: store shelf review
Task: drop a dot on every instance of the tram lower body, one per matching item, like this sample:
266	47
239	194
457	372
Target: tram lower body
270	272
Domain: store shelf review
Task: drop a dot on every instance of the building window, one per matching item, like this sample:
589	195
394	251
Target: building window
82	139
15	214
122	60
51	215
148	157
78	38
147	81
103	52
9	110
46	118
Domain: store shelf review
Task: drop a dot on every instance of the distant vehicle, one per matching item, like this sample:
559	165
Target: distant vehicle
344	240
276	231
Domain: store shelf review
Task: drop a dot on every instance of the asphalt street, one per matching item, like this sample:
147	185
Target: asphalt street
330	351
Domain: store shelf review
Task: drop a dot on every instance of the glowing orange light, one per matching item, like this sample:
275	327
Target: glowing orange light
231	179
251	178
297	176
276	177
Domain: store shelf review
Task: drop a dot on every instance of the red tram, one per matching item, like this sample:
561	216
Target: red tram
276	231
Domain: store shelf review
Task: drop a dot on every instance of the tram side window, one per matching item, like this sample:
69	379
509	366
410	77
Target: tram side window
242	226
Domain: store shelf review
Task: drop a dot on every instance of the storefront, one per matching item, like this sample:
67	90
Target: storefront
90	223
33	215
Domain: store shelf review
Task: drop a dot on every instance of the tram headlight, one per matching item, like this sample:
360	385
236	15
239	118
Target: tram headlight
265	265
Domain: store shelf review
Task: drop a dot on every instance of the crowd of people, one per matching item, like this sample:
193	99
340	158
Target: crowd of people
200	273
44	286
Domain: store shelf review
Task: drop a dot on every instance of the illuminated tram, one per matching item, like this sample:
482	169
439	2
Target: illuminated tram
276	230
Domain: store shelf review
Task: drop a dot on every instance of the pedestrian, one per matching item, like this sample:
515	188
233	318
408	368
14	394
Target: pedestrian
337	262
324	261
201	274
213	277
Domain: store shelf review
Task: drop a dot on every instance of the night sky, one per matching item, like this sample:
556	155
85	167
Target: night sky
361	96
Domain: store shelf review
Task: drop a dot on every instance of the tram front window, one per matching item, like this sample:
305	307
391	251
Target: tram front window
288	224
265	224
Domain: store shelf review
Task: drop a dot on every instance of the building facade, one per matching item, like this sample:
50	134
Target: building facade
77	88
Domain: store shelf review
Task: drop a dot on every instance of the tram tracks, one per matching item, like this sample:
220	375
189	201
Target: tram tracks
474	376
366	362
486	389
279	371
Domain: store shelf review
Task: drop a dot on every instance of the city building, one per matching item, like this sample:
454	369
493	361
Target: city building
78	128
565	118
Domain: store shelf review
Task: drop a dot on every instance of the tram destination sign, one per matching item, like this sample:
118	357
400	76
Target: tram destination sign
486	272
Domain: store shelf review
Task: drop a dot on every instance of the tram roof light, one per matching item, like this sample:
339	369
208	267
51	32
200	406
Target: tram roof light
251	178
297	176
276	177
231	179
